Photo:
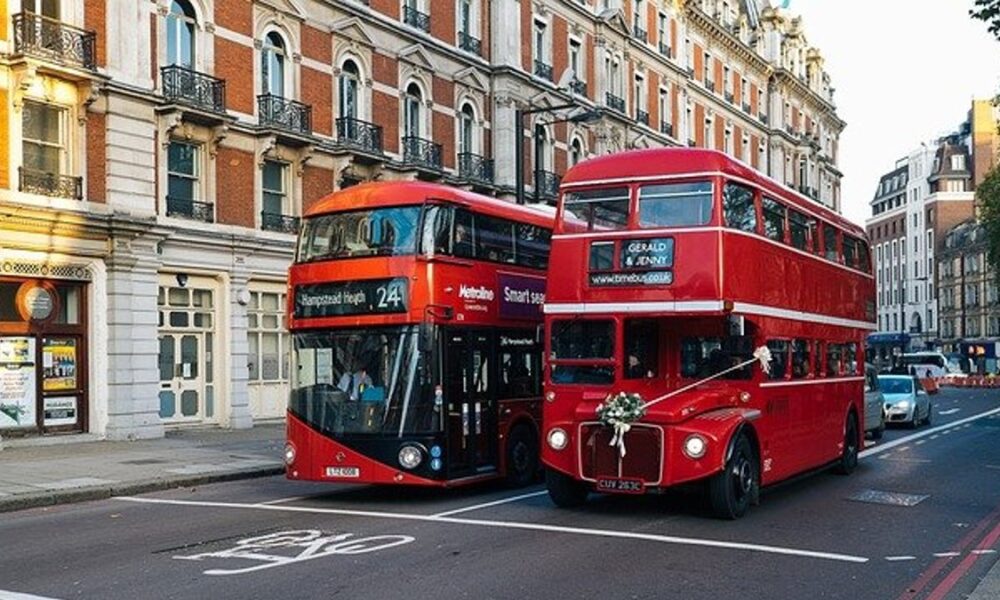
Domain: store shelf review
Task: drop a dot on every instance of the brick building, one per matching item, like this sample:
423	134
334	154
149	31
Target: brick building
158	154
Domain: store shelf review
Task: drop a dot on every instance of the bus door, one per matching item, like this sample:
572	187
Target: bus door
470	393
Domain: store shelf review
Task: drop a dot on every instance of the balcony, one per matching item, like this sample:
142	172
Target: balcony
546	185
667	128
729	97
692	143
190	209
790	129
475	168
421	153
746	108
809	191
710	85
543	70
469	44
640	34
415	18
664	49
578	87
279	223
287	115
762	117
359	135
642	117
614	102
50	40
184	86
33	181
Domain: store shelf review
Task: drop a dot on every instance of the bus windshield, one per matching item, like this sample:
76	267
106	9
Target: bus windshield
363	381
388	231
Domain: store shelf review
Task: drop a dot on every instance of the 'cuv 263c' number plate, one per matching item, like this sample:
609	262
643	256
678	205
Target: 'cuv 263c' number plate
621	486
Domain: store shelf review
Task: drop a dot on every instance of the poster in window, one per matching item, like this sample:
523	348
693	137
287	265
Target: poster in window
60	411
17	382
58	364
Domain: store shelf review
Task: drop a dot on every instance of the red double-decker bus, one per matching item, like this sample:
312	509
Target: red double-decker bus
415	316
690	261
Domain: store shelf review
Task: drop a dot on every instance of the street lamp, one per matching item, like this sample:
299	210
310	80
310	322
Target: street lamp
587	116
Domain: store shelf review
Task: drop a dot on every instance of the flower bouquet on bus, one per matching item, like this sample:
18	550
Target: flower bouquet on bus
620	410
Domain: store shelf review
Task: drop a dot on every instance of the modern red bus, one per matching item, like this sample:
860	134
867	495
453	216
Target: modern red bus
690	261
415	316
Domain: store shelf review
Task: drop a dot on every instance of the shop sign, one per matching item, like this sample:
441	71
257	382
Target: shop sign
17	382
36	301
59	411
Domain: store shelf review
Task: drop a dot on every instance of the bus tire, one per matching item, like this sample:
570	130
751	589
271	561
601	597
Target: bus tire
522	456
849	456
565	491
737	485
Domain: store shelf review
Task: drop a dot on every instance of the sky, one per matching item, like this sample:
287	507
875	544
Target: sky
905	72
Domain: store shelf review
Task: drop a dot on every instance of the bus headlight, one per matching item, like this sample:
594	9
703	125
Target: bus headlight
695	446
557	438
289	453
550	396
410	457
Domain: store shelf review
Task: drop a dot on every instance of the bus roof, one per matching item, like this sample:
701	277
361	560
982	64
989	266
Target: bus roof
635	165
397	193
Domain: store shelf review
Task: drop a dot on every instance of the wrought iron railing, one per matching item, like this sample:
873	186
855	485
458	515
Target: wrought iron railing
419	152
543	70
546	185
359	134
692	143
578	87
284	114
279	223
190	209
667	128
183	85
746	107
790	129
415	18
44	183
42	37
664	49
763	118
642	116
729	97
710	85
614	102
469	44
809	191
640	34
475	168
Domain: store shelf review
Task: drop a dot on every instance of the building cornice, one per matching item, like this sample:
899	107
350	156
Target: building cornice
728	40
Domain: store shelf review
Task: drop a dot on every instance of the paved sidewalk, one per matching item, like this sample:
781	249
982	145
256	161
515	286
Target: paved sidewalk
989	587
56	470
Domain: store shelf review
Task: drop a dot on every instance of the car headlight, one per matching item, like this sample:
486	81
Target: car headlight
289	453
557	438
695	446
410	457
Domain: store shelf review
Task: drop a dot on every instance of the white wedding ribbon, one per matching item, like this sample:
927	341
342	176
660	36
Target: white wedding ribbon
618	439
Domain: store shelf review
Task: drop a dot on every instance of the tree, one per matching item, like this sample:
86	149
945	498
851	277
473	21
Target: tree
988	199
989	12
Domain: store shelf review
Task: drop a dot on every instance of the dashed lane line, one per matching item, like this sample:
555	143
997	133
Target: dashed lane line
603	533
942	429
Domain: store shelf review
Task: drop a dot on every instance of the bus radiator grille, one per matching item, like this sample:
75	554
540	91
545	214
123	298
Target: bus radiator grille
642	460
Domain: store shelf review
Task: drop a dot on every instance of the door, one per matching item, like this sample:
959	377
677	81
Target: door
182	382
471	396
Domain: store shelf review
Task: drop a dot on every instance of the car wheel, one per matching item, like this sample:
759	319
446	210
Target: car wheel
915	421
731	490
878	432
522	457
565	491
849	456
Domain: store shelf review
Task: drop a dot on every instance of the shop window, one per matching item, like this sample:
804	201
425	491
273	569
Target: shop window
267	341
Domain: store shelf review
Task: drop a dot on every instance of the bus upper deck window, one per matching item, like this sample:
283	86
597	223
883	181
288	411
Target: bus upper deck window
738	208
675	204
600	209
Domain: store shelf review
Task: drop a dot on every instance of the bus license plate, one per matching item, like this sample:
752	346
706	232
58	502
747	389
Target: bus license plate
621	486
353	472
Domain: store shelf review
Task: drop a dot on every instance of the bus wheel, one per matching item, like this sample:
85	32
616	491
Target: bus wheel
731	491
849	457
522	457
565	491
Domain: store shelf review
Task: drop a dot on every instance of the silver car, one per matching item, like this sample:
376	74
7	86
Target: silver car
874	402
905	400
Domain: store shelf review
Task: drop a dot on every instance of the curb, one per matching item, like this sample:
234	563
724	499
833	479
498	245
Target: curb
127	488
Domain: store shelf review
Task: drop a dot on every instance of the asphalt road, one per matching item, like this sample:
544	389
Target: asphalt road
920	519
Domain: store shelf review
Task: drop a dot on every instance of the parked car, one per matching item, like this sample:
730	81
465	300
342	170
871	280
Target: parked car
905	400
874	404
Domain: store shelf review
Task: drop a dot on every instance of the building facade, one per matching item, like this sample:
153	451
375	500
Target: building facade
157	157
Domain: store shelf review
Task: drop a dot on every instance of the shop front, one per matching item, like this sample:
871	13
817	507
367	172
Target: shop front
43	356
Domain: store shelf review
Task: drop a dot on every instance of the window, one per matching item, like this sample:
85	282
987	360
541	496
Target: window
378	232
465	20
45	8
494	239
43	144
830	244
540	43
779	358
707	75
800	359
774	219
273	194
180	34
800	230
600	209
348	84
183	171
267	355
575	152
412	108
519	365
665	107
663	33
958	162
856	253
466	129
272	65
835	357
706	356
675	204
583	339
738	207
642	355
576	60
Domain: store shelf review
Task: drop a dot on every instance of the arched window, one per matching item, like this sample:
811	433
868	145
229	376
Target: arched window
272	65
575	152
466	130
349	87
413	117
180	34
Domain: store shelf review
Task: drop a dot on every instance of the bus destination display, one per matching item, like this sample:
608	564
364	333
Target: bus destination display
336	299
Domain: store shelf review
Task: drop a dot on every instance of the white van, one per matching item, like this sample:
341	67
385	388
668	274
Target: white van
925	364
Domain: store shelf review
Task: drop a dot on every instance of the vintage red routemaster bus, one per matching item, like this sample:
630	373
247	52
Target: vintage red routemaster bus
415	316
690	261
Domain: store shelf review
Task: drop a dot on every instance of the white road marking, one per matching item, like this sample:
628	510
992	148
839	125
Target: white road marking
950	411
935	436
907	460
920	442
488	504
993	466
984	551
283	500
903	449
5	595
945	554
898	558
930	432
631	535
